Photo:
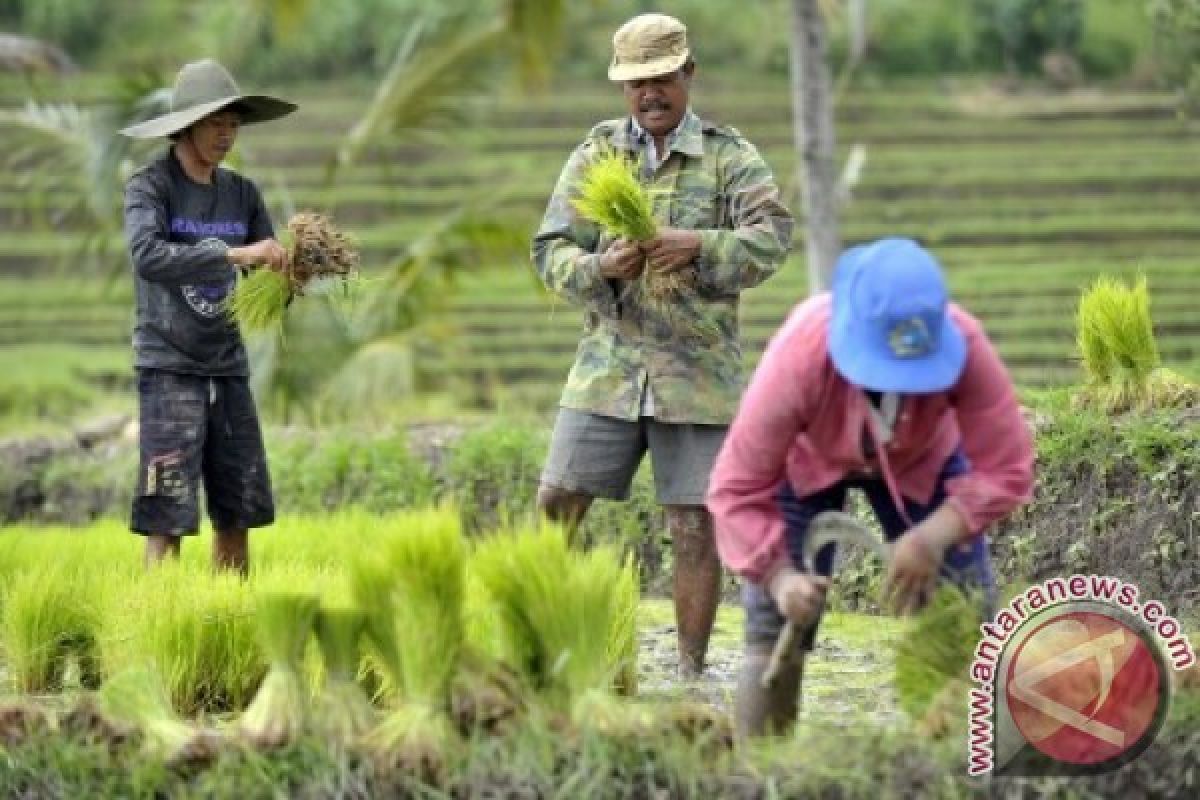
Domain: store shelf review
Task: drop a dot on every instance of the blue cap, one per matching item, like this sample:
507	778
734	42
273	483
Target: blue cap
891	329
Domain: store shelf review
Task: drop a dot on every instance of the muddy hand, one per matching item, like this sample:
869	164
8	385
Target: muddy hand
913	572
672	249
623	260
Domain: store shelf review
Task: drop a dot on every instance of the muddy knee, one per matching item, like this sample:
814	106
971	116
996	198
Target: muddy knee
768	710
691	530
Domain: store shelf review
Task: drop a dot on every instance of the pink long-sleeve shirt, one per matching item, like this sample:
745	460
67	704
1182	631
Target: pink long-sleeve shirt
800	420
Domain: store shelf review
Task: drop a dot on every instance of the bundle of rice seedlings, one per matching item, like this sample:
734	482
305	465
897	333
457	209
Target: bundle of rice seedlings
556	608
196	629
278	714
259	299
342	711
623	641
49	619
1120	356
421	590
138	699
933	655
611	196
317	254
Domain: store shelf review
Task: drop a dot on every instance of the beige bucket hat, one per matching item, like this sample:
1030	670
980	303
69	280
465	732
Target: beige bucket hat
646	46
203	88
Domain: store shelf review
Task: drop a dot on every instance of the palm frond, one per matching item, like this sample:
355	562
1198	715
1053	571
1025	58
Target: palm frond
376	376
424	85
73	162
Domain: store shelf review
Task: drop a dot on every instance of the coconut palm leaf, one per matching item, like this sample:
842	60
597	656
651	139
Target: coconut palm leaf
423	87
73	162
444	58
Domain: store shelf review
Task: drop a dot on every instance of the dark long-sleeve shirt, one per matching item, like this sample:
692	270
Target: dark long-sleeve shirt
178	232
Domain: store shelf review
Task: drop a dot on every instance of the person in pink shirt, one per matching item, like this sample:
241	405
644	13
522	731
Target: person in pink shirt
884	386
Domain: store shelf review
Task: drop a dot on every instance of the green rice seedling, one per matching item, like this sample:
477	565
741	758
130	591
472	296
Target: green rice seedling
137	698
611	196
934	652
1120	355
318	251
342	711
557	608
623	639
259	299
196	629
279	711
421	587
49	617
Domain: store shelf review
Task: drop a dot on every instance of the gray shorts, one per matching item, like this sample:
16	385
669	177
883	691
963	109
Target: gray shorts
600	455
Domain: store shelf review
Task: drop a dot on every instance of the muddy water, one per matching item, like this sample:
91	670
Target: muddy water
848	675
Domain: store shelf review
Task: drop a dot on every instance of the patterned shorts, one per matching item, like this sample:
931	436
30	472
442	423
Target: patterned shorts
197	429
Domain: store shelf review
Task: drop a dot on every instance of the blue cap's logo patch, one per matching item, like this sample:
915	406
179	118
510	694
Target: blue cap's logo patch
910	338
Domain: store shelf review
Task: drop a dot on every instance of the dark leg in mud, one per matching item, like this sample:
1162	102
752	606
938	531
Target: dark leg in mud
231	551
768	711
697	583
159	547
564	506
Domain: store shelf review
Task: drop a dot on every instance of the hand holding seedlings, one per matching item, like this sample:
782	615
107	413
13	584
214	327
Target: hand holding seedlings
913	570
624	260
672	249
266	253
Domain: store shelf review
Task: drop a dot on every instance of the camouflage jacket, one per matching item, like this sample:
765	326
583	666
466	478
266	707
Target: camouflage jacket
713	181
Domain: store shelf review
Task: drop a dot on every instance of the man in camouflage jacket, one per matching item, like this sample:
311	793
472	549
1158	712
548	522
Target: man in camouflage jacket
648	376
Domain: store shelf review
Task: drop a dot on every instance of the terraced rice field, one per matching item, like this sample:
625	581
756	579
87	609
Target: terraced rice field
1025	201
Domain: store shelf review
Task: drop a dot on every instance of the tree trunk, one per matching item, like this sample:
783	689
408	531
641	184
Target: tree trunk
812	120
857	24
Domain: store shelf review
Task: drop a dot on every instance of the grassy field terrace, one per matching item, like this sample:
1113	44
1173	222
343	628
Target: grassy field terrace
1026	199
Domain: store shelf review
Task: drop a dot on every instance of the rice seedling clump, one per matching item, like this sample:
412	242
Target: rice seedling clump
611	196
318	252
138	699
1120	355
342	709
415	598
279	712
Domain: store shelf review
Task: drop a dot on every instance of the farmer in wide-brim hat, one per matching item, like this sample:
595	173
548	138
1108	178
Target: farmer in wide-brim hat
190	224
881	385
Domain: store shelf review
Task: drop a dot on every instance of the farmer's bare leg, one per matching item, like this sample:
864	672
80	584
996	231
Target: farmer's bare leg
564	506
231	551
768	711
160	546
697	583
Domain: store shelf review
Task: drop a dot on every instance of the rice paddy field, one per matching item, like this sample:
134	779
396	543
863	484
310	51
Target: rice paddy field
1025	198
263	688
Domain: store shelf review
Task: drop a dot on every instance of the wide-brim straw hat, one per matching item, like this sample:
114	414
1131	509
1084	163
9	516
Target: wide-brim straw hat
647	46
203	88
